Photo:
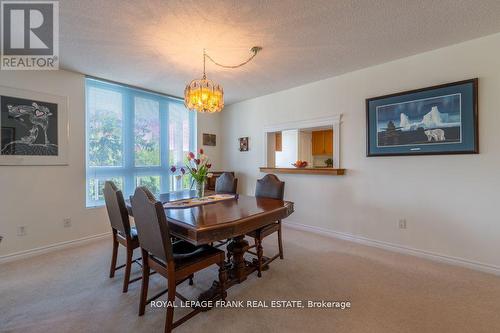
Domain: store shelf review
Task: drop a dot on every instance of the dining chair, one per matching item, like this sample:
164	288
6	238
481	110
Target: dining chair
226	183
122	232
268	187
176	261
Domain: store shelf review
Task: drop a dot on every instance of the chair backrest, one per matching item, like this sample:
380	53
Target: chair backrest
226	183
151	224
117	211
270	187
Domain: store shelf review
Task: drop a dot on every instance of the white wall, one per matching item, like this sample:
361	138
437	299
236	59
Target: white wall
40	197
289	149
305	147
210	124
450	202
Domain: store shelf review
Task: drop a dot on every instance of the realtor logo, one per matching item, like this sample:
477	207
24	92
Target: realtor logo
30	35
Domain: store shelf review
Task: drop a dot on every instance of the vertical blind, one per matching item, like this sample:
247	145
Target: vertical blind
133	137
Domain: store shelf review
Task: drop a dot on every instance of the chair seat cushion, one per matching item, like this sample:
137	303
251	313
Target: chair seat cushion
264	231
183	249
186	254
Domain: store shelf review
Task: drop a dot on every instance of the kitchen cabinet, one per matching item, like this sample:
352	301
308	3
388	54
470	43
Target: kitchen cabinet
328	142
322	142
278	139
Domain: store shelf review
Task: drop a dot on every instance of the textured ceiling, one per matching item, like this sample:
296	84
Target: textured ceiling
158	44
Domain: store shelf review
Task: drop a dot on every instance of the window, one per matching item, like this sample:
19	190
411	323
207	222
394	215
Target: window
133	137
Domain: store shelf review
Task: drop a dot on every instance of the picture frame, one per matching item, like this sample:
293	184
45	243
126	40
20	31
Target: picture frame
243	143
209	140
437	120
34	128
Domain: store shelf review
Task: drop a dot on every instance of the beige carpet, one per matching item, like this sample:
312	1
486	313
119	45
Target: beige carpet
69	291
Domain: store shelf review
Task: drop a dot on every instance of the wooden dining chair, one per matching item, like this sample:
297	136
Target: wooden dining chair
176	261
268	187
122	232
226	183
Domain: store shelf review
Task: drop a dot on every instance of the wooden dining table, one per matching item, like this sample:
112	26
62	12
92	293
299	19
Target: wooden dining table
220	221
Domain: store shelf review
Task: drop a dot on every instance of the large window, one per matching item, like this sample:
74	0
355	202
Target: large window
133	138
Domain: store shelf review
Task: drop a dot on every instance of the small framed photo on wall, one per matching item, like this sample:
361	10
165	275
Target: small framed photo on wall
209	139
243	143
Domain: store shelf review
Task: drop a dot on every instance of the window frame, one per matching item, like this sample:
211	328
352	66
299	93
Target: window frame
128	171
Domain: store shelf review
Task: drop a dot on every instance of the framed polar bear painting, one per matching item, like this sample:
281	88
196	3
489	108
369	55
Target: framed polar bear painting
430	121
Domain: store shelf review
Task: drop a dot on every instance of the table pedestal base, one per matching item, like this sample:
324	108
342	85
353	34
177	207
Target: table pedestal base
238	269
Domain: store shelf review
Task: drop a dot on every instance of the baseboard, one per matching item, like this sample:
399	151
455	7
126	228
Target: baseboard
475	265
49	248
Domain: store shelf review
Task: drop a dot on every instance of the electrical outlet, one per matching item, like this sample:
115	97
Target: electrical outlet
402	224
67	222
21	230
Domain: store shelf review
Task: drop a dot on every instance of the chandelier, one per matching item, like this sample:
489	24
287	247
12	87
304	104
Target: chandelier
204	95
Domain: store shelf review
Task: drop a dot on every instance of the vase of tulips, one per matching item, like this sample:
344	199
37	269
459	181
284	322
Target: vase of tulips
198	166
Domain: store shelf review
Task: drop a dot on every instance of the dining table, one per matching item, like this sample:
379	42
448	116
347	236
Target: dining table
226	220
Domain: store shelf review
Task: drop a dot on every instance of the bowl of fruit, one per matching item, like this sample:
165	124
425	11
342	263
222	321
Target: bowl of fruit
300	164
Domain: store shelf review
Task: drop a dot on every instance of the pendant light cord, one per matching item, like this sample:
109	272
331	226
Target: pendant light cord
254	50
204	58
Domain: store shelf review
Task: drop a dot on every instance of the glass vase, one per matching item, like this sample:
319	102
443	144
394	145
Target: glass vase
200	189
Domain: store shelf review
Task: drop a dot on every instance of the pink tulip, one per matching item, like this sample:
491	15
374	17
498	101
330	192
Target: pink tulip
209	165
197	161
201	150
173	168
190	156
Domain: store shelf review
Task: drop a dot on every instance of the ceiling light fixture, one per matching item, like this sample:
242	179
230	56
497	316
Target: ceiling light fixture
205	95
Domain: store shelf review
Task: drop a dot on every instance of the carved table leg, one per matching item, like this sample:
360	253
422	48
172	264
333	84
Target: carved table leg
237	249
238	269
